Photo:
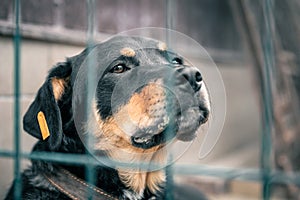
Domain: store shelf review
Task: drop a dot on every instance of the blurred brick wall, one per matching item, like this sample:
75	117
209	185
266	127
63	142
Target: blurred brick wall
209	22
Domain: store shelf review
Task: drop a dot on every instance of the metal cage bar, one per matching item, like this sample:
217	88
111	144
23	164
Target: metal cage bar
89	168
170	16
267	73
17	158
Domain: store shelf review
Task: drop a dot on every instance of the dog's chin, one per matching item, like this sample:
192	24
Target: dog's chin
184	127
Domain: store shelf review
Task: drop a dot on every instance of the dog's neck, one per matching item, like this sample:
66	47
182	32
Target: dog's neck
140	179
114	182
132	181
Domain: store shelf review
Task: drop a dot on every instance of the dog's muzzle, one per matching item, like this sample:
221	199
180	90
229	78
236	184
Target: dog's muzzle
165	102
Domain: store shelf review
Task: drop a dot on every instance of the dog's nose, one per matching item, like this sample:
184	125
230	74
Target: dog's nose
193	76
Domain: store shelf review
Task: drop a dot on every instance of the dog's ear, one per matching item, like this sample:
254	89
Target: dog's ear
43	119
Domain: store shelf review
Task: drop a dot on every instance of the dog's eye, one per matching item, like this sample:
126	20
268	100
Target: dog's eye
177	61
119	68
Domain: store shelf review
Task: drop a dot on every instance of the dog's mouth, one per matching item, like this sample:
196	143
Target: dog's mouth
143	139
183	126
149	141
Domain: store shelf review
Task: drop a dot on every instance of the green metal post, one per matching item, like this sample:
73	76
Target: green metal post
90	169
267	40
17	38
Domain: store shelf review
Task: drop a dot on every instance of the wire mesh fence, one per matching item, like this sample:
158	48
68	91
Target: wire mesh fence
266	175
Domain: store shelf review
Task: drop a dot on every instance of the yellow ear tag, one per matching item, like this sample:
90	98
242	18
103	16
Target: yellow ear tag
43	125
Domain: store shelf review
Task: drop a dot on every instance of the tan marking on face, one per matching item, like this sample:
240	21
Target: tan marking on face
112	138
162	46
128	52
146	106
139	112
58	86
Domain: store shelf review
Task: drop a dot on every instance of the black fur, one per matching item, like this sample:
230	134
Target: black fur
64	137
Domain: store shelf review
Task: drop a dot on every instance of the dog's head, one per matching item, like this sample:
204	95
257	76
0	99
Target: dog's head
144	96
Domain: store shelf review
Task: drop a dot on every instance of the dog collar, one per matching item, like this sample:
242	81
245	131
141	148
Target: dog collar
74	187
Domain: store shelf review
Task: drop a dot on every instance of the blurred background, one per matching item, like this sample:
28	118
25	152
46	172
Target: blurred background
255	45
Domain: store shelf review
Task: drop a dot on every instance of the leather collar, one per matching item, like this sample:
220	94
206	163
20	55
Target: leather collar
74	187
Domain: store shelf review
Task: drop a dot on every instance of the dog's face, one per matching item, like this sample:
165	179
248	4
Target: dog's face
148	95
145	95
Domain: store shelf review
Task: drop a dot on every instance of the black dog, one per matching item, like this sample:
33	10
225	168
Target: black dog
144	98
